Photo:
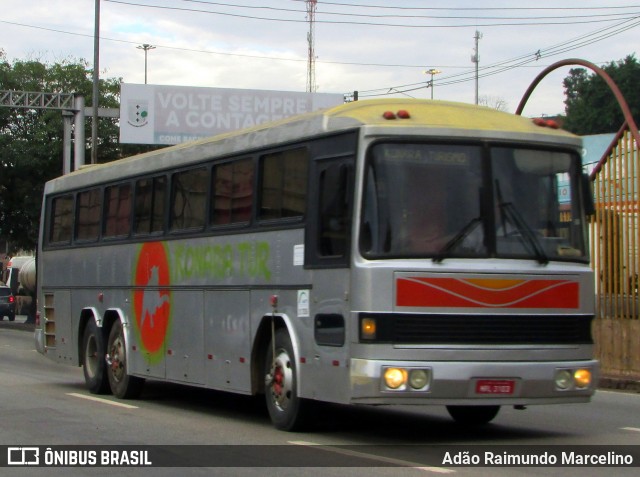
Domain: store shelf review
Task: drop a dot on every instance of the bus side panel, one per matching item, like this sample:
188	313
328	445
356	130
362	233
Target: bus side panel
142	362
328	335
59	326
185	341
227	335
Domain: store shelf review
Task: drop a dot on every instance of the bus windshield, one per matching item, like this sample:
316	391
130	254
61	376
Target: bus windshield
472	201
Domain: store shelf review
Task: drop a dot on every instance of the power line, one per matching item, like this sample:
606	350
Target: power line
545	52
477	21
398	7
415	15
464	76
507	65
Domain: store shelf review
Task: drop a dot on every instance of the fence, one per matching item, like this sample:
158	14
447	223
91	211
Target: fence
615	242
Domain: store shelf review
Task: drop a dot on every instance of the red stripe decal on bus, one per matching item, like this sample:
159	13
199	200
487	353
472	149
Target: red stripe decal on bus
490	293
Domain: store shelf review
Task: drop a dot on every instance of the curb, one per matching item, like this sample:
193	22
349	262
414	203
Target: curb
620	383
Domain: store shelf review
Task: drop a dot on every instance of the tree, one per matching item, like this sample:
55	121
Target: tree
31	140
591	107
493	102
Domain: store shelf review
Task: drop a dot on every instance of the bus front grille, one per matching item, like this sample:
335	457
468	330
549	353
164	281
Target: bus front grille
405	328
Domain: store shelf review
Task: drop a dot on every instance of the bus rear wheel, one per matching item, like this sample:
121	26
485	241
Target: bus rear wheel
473	415
93	363
123	385
287	410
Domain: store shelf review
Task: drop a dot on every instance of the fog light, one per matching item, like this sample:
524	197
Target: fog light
564	379
582	378
418	378
394	378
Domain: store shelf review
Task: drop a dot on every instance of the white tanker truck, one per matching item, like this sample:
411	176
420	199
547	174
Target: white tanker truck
20	276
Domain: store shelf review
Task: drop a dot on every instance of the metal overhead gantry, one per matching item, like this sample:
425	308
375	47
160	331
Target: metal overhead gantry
73	110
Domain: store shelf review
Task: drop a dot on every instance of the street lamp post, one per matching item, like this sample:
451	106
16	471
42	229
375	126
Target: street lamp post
432	72
146	47
96	82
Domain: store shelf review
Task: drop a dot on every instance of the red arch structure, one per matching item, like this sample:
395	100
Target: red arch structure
607	79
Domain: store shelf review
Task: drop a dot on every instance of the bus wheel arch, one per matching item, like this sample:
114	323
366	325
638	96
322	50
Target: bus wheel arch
91	352
122	384
261	343
281	378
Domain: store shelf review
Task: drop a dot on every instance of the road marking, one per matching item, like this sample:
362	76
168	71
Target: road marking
103	401
387	460
633	429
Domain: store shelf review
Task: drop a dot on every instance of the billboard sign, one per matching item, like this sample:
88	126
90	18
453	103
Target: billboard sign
154	114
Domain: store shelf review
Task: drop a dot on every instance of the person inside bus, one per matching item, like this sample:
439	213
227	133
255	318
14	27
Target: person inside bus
423	221
447	220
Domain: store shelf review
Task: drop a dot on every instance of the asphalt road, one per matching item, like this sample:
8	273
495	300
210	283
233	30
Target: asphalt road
45	404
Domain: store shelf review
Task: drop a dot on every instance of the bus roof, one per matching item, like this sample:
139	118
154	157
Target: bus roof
443	116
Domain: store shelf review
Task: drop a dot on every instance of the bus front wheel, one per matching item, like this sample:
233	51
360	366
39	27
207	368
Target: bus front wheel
93	363
123	385
473	415
287	410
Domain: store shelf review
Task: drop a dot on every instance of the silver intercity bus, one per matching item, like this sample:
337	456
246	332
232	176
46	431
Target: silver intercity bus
386	252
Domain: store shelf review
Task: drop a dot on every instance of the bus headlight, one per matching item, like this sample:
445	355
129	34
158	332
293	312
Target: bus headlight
563	379
395	378
573	379
419	378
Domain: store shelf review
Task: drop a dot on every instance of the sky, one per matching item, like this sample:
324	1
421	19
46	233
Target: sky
377	47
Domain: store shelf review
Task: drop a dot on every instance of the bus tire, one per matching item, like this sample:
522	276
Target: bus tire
123	385
473	415
287	410
93	359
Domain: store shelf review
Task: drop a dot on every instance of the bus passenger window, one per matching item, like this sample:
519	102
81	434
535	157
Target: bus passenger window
61	219
89	212
149	205
334	210
189	199
232	192
117	211
283	187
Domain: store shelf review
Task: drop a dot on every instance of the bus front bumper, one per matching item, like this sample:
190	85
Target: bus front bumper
472	383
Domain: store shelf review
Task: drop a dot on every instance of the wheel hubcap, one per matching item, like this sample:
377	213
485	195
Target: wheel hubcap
116	355
281	385
91	357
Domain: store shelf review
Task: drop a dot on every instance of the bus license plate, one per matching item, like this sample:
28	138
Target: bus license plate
495	386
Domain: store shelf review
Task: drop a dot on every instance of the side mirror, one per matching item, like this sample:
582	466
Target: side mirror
587	195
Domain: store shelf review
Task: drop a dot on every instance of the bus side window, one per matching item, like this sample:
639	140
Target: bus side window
232	192
149	205
89	215
283	184
334	215
117	211
189	199
61	219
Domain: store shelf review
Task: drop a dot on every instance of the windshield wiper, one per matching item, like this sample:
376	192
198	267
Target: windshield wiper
509	212
459	237
513	216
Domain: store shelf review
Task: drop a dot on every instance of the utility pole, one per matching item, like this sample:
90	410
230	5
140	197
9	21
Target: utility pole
146	47
432	72
475	58
96	81
311	60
